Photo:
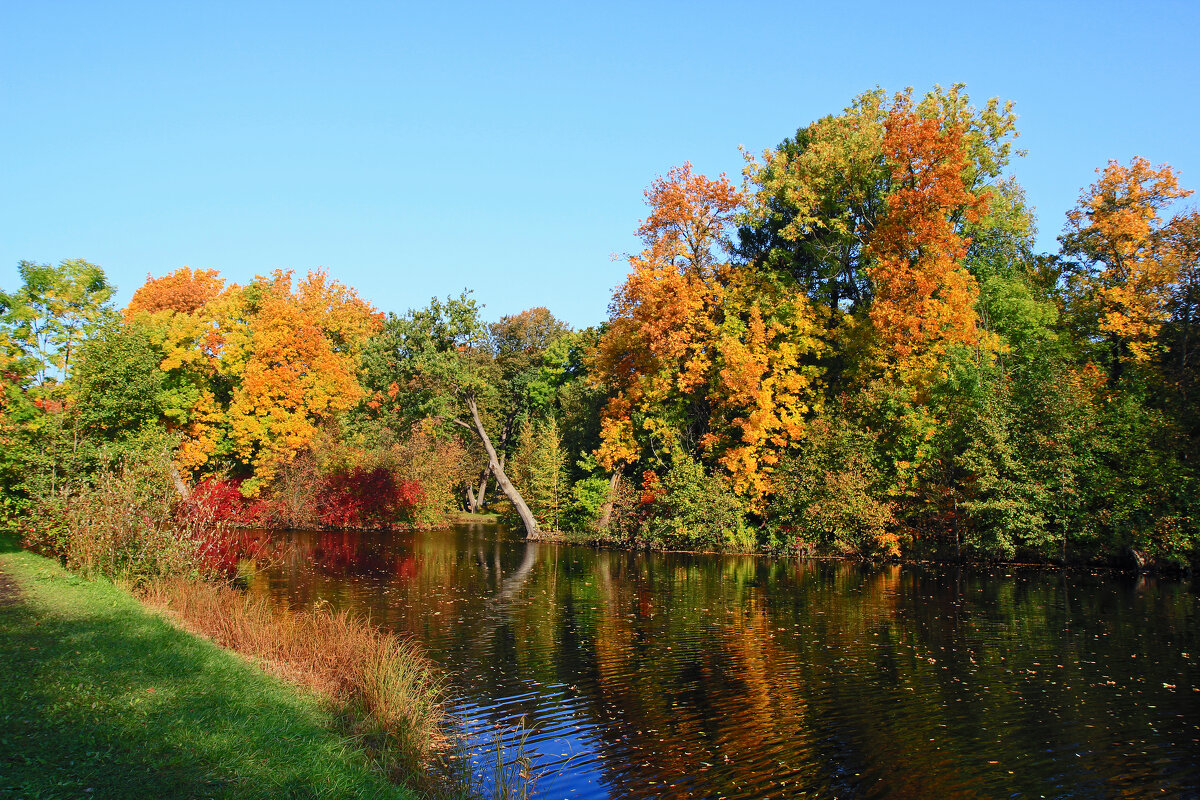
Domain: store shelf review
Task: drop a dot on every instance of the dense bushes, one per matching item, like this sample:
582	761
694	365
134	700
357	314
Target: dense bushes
832	497
125	525
693	509
366	498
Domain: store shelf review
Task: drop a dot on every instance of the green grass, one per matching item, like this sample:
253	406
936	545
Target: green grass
482	516
101	698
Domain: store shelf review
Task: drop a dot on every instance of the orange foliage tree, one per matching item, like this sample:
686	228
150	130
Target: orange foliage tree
924	297
692	342
256	369
1116	231
184	291
656	352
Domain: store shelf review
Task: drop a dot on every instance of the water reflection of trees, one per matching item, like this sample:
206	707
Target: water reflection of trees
744	677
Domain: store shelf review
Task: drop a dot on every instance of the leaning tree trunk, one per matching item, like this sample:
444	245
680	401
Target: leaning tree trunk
510	491
606	514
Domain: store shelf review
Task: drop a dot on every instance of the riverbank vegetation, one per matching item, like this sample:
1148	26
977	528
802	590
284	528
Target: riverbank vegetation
104	698
388	695
859	350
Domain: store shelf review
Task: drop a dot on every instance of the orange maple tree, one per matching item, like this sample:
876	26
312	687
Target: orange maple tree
256	369
924	300
185	291
655	353
700	356
294	354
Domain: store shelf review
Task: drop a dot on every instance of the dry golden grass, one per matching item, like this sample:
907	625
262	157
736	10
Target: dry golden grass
386	691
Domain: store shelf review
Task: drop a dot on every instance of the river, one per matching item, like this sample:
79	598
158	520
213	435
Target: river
647	675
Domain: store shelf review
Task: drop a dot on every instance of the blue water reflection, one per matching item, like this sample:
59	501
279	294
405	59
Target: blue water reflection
674	675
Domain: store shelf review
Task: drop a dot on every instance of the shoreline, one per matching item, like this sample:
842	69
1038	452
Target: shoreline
595	542
105	696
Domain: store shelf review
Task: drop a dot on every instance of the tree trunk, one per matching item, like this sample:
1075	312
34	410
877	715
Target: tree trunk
180	486
477	498
510	491
606	514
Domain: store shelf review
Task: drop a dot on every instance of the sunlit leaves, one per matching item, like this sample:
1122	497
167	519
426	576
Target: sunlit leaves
254	370
765	385
184	291
924	297
701	359
657	351
44	322
1116	231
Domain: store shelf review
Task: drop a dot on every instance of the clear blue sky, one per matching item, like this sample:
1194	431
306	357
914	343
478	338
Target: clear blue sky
415	150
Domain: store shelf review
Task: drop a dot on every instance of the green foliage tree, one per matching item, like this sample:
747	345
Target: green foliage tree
118	382
52	313
435	363
696	509
1180	337
539	468
833	495
43	325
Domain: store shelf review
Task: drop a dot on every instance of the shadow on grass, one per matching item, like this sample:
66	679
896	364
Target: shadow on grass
102	702
10	541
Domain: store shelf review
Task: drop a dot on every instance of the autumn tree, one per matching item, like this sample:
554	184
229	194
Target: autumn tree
255	370
924	299
817	199
765	385
1122	287
700	358
184	291
297	361
882	216
656	355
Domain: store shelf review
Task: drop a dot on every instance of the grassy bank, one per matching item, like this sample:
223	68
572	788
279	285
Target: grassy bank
386	693
101	698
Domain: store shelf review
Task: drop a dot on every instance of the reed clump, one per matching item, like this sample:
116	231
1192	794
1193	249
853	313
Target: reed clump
387	694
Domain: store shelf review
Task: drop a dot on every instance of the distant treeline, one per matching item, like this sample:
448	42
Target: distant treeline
859	351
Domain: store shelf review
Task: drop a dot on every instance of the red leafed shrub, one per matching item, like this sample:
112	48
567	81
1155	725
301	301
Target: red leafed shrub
367	498
216	501
220	548
652	488
219	516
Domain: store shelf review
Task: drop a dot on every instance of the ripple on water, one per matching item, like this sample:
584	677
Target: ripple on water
647	676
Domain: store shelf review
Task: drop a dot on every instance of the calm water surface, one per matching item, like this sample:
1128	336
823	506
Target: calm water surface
664	675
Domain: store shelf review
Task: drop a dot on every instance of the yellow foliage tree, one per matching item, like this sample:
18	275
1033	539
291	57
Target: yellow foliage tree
257	368
1117	233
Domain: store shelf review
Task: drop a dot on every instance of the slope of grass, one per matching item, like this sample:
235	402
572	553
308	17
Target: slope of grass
385	691
102	698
